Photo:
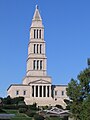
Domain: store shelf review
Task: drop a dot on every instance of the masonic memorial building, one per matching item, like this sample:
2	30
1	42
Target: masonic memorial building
37	85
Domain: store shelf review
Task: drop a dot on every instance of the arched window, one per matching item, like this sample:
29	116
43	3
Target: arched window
39	33
40	64
34	33
37	64
34	48
34	66
40	48
37	47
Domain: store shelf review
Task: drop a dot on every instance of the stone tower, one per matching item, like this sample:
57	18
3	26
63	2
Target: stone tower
36	74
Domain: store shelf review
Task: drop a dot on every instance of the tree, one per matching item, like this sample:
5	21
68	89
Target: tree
85	114
79	93
7	100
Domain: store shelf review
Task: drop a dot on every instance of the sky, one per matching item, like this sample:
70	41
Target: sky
67	36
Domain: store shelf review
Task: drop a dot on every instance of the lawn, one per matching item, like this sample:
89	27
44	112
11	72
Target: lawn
53	118
22	116
18	116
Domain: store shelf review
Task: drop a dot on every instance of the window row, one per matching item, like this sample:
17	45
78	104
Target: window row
58	93
17	92
37	34
37	48
37	64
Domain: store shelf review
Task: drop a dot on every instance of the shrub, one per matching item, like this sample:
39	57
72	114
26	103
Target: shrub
38	117
59	106
17	100
13	107
44	107
2	111
22	110
33	107
30	113
22	104
7	100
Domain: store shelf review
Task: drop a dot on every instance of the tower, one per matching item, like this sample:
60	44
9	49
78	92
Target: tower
36	73
36	61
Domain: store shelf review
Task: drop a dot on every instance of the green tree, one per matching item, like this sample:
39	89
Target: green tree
85	114
79	92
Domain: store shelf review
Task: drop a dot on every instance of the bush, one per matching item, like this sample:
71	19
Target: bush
30	113
44	107
33	107
7	100
38	117
17	100
2	111
59	106
22	104
22	110
13	107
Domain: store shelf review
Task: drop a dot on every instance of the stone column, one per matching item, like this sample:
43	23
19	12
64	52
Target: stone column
34	91
30	91
46	91
50	91
38	91
42	91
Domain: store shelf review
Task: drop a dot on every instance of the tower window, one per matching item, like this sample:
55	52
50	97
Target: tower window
34	33
37	64
41	65
34	47
39	33
37	47
34	62
40	48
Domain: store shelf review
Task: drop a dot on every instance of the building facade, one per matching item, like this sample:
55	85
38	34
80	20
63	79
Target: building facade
37	85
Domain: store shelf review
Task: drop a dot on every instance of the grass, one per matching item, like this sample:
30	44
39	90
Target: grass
22	116
53	118
18	116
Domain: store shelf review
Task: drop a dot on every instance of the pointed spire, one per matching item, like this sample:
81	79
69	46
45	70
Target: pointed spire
37	15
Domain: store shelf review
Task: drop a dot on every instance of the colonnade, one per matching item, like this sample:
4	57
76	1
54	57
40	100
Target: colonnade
41	91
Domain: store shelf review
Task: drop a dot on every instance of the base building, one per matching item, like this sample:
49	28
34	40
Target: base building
37	85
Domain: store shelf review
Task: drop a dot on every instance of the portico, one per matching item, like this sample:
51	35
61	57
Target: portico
41	90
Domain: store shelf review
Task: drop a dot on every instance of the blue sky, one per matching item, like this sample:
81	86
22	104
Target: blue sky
67	36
